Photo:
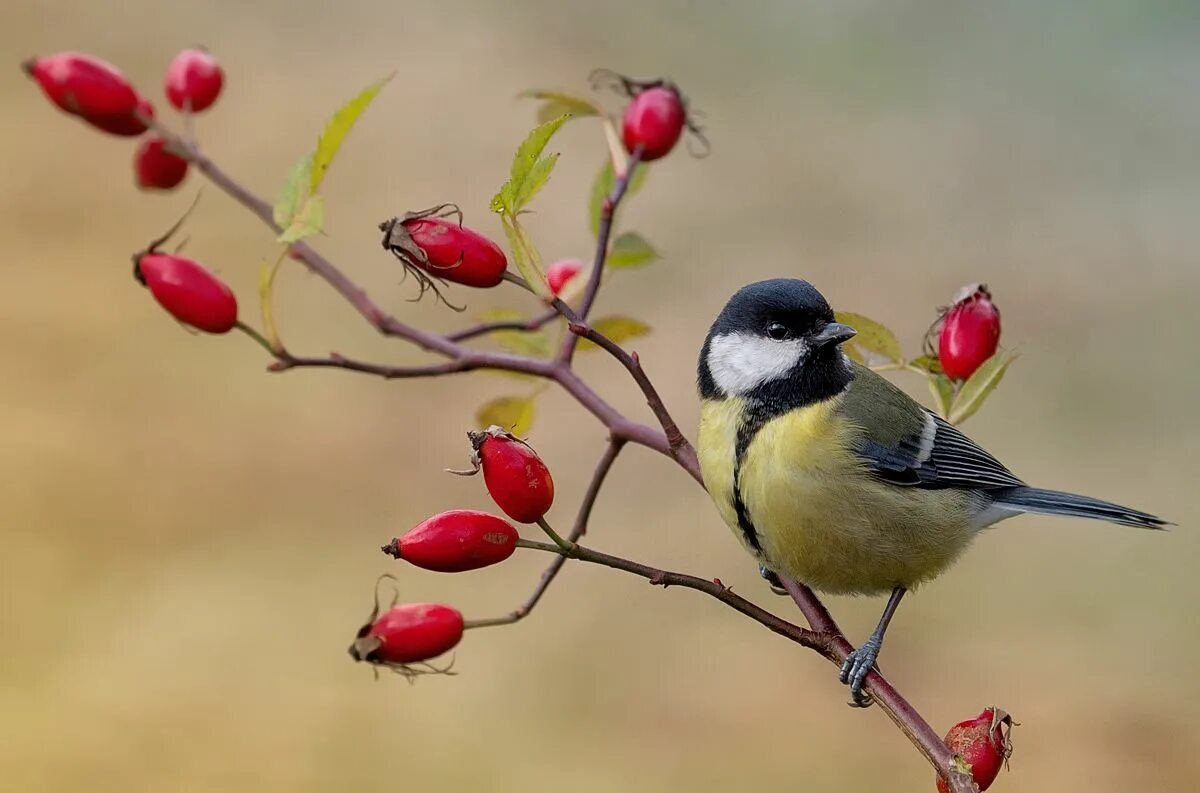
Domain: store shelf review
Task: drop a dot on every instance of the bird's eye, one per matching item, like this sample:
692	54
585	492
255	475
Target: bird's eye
778	331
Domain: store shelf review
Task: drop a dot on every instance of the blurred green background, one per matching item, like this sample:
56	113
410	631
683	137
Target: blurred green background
190	543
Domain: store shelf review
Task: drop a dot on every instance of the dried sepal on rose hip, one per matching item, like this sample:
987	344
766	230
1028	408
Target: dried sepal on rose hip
456	541
186	289
194	80
516	478
407	636
967	333
93	89
431	246
656	116
984	744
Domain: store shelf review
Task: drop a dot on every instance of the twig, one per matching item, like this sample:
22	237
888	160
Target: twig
578	530
607	210
484	328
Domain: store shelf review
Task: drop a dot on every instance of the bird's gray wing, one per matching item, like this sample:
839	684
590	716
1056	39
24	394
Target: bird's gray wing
905	444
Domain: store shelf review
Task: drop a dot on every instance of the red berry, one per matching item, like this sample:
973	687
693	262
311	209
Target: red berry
455	541
194	80
516	477
129	125
559	273
970	332
409	633
188	292
983	743
157	168
428	243
90	88
654	120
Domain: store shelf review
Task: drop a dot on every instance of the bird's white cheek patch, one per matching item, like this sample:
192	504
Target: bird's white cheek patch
740	362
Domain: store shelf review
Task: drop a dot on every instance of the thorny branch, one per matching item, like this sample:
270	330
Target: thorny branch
824	636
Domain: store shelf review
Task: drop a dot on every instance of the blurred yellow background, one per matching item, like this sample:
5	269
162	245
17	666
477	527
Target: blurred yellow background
190	543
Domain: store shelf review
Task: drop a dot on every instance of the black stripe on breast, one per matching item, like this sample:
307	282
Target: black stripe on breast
757	414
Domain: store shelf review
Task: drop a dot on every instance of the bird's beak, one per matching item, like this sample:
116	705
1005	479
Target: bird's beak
833	333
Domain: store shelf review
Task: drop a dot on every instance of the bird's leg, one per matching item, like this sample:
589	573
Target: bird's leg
860	662
772	579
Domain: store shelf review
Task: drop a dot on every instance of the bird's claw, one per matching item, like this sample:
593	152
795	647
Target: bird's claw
772	580
856	667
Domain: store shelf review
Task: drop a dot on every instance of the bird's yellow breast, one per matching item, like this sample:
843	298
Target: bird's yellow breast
818	514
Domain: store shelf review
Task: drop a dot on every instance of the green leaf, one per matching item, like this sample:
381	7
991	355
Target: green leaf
872	337
943	392
288	200
927	364
603	184
557	103
523	342
631	250
525	255
513	413
523	183
618	329
308	221
979	386
337	128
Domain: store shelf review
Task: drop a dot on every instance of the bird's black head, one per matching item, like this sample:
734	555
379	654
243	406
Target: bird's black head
775	340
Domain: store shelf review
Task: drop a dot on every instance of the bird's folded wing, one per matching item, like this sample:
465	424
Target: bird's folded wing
906	444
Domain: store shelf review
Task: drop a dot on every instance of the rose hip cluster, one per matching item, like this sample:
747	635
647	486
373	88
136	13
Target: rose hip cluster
96	91
455	542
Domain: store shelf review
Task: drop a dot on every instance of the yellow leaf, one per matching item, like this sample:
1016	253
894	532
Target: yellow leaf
522	342
513	413
872	337
338	127
977	388
631	250
525	256
557	103
618	329
288	200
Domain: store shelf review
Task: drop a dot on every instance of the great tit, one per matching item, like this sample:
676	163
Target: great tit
831	475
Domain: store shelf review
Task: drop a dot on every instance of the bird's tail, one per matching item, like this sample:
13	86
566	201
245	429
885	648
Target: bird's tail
1054	502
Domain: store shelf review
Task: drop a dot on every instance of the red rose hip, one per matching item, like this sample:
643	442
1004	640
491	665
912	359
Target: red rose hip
407	634
560	273
188	291
194	80
969	333
90	88
516	478
156	168
456	541
429	243
984	743
654	120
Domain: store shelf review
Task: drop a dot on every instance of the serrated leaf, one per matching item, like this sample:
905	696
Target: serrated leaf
539	174
523	342
288	200
979	386
618	329
513	413
508	199
603	184
308	221
943	392
557	103
631	250
525	255
926	363
337	128
873	337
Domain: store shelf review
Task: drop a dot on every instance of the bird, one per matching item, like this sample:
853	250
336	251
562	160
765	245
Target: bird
831	475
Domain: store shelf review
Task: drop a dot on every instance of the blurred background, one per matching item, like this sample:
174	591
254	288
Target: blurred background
190	543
